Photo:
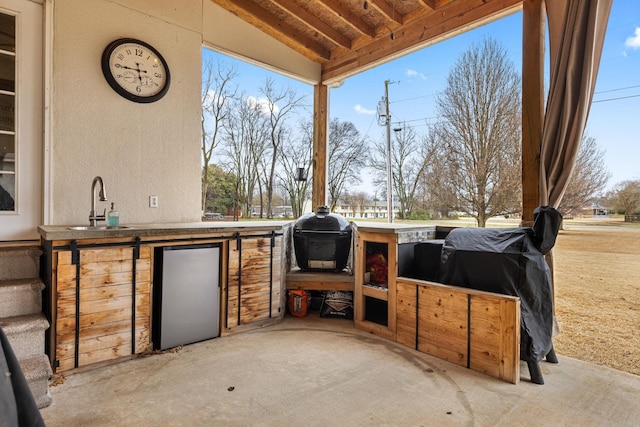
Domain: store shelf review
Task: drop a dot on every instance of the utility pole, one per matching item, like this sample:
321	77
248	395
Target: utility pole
383	112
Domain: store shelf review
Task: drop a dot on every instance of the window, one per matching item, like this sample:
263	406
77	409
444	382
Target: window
7	112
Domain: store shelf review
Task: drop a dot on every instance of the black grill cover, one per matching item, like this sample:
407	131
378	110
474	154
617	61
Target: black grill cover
426	257
509	261
322	240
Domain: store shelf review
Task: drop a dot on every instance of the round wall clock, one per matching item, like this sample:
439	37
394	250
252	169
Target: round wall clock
135	70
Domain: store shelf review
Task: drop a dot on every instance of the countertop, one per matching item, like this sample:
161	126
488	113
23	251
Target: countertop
384	227
406	233
62	232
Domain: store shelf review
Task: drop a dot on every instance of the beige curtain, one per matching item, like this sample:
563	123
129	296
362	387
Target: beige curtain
576	35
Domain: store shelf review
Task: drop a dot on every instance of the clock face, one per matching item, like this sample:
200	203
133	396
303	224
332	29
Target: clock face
135	70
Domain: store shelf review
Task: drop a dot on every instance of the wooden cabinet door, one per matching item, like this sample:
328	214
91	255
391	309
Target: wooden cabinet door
254	281
102	312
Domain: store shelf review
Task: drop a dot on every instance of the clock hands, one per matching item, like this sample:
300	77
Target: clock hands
135	69
142	78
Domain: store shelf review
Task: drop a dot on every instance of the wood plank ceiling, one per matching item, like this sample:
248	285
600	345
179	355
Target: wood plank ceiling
350	36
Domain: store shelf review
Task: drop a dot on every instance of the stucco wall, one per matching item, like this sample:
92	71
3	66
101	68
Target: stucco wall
138	149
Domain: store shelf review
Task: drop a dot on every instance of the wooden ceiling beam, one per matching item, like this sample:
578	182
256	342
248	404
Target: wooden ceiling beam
345	15
431	4
426	7
307	18
262	19
450	19
389	11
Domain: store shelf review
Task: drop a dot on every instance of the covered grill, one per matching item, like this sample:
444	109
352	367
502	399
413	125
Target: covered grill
322	241
511	262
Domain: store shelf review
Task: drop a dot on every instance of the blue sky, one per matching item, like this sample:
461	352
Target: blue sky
418	77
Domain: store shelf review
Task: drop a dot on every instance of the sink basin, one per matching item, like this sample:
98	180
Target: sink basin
97	227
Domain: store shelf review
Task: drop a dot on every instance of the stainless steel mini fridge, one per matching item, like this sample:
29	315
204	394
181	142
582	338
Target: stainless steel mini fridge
186	294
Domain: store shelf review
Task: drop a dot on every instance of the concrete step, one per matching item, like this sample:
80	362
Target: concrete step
20	314
25	334
37	371
19	261
19	297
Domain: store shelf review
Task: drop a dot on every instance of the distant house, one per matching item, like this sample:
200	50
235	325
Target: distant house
598	210
368	209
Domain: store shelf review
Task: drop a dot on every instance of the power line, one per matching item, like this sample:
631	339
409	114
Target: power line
411	99
614	90
615	99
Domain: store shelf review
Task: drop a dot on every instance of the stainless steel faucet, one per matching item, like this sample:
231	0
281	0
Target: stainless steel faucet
93	218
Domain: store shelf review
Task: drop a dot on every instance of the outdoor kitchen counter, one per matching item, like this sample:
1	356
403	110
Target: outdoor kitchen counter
62	232
101	283
407	233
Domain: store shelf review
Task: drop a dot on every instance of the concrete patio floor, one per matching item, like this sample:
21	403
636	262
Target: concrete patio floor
323	372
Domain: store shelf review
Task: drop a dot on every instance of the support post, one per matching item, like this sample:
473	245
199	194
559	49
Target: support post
320	124
533	35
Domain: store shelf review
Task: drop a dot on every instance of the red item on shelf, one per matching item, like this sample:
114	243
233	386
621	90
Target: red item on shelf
298	302
377	266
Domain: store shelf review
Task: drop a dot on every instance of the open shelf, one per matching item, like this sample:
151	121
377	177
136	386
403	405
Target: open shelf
375	282
375	292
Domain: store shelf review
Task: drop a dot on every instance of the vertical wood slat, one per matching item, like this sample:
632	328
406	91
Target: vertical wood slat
494	338
479	330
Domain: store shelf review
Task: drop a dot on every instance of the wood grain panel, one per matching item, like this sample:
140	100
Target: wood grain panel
121	349
105	318
66	272
495	339
406	313
90	256
256	277
477	329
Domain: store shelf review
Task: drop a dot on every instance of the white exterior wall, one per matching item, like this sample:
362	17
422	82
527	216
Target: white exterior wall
138	149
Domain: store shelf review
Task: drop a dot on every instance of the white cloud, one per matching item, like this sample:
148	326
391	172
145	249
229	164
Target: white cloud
413	73
360	109
211	97
262	104
634	41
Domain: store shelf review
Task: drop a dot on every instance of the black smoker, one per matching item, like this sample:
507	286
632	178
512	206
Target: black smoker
510	261
322	241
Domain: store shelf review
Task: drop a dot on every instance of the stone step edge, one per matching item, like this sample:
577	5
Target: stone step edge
13	251
34	281
36	367
20	244
25	323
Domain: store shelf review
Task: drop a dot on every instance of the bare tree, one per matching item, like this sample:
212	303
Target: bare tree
279	105
347	155
410	156
588	179
438	195
218	91
626	196
296	153
361	201
480	109
246	140
356	201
